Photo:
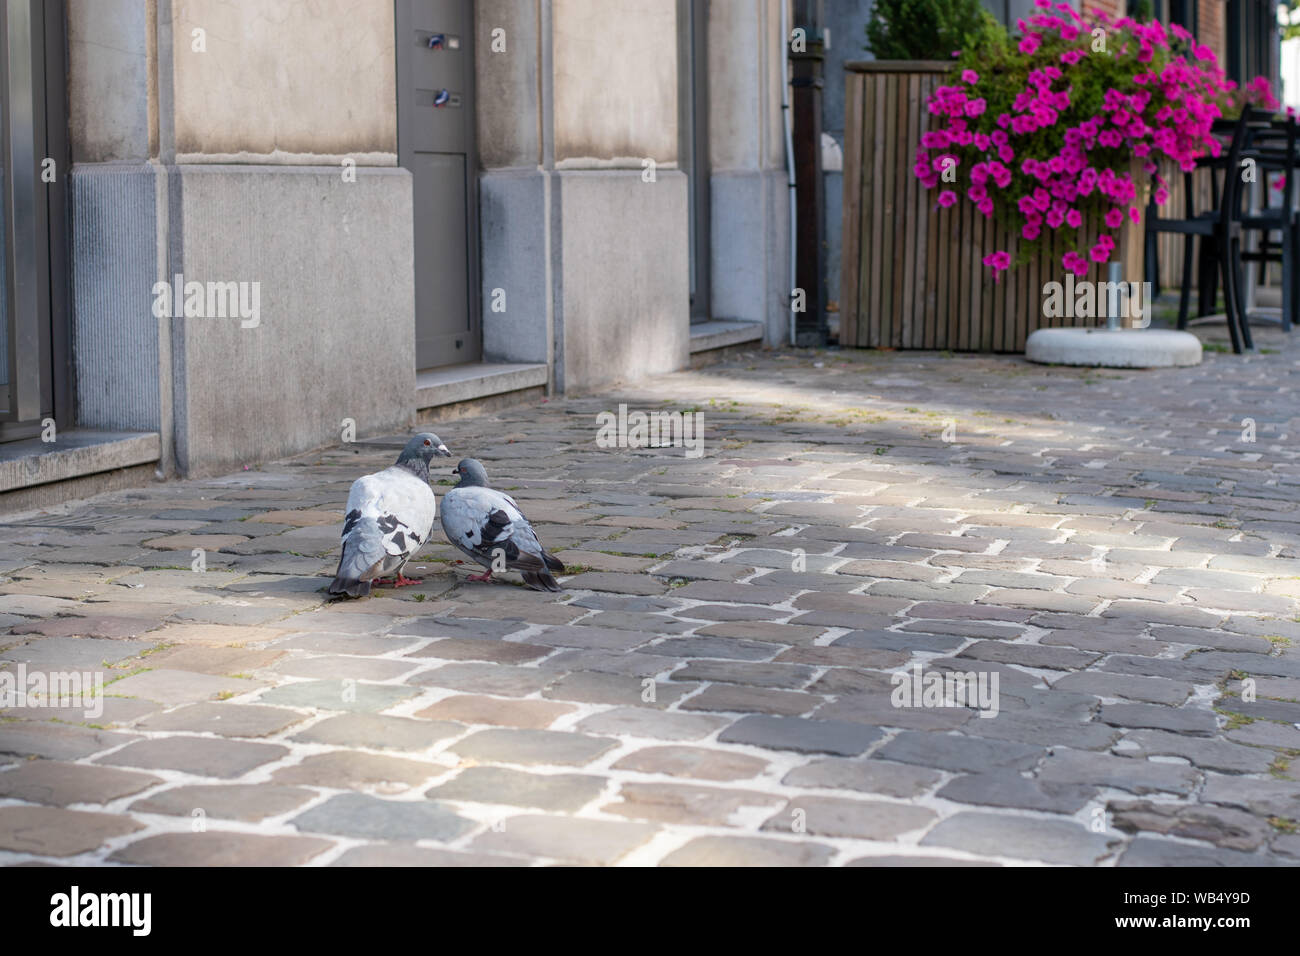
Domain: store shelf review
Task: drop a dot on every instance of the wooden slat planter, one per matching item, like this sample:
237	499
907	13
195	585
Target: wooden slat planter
912	273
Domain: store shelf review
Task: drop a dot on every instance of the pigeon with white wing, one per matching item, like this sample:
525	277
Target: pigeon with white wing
487	525
389	518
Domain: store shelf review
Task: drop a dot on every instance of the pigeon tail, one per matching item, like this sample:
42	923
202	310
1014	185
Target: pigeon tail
352	588
355	571
552	562
540	581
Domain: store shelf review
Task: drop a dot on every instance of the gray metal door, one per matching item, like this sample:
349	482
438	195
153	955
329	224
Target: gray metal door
34	369
436	143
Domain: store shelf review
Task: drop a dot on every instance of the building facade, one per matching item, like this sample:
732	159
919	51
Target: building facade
270	221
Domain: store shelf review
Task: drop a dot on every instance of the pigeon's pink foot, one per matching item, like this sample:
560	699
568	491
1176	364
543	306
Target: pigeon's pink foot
402	581
485	576
381	582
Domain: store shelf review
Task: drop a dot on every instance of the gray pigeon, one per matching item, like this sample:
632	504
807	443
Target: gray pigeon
487	524
390	517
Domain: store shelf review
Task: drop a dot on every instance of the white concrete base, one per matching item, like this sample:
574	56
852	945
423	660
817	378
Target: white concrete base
1113	348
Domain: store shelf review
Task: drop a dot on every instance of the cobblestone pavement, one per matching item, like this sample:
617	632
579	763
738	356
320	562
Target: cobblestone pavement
714	685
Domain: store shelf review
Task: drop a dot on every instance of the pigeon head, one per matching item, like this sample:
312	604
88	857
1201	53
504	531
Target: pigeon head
420	450
471	473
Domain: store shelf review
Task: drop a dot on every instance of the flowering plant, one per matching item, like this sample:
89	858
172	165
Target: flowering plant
1049	135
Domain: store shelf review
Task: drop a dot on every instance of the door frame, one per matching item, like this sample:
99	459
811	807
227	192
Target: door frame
401	34
33	77
693	145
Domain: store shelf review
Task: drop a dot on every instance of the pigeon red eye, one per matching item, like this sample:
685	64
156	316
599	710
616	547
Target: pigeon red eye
427	442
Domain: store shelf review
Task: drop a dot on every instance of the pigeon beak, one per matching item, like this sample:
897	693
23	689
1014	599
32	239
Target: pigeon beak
443	451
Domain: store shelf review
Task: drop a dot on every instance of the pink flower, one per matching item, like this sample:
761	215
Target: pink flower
975	107
1099	253
1074	218
970	76
1030	44
1115	218
999	261
947	198
1075	263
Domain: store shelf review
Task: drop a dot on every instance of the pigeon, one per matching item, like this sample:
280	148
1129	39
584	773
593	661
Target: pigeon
487	524
390	517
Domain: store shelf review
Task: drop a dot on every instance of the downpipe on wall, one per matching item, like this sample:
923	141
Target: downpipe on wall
792	191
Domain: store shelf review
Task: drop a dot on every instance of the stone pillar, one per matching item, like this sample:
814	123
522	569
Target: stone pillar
254	144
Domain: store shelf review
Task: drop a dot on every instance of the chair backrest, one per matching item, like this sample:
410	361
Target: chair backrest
1248	123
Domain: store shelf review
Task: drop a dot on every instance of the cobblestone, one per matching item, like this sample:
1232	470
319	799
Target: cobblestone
721	655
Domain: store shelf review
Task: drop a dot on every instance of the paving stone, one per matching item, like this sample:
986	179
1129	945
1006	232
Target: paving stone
218	848
615	688
472	709
117	711
876	708
733	698
349	769
218	661
1027	727
406	855
856	819
1029	655
651	722
892	861
1150	689
958	752
1134	774
900	640
457	627
352	668
60	784
74	653
234	801
1266	734
57	741
201	756
91	626
748	851
378	732
867	776
680	803
1210	754
346	695
1271	797
590	842
48	831
1152	851
553	792
696	762
479	678
1182	719
533	747
228	720
375	818
802	734
173	687
590	637
1007	788
1029	838
465	649
1232	829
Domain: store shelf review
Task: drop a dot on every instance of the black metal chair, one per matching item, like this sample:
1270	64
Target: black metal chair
1219	229
1274	151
